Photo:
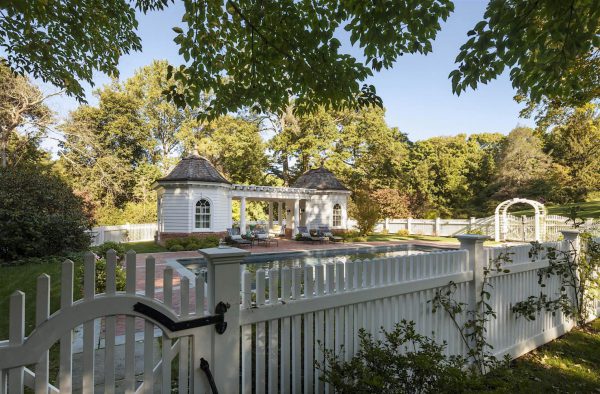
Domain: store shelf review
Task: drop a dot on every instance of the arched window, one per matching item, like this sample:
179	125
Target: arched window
203	214
337	215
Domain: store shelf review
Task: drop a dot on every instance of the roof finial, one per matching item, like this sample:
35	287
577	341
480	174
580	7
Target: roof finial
195	151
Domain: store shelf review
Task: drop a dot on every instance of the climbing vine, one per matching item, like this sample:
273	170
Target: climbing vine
473	331
577	269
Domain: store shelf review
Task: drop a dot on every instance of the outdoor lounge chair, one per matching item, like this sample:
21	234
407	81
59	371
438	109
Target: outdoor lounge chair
329	234
306	236
237	239
263	236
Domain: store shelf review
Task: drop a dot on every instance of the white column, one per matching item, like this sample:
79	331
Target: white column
224	286
243	215
279	213
270	215
438	227
296	217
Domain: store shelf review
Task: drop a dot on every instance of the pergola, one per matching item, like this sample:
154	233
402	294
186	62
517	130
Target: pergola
501	217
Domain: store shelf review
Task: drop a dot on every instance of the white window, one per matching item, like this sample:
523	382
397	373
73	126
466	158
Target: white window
337	215
203	214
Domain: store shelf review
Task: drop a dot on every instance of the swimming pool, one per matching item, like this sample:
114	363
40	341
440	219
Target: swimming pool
304	258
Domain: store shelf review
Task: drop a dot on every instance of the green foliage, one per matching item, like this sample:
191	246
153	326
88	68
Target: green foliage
578	275
39	214
405	362
101	250
523	167
366	213
550	48
191	243
266	65
120	279
24	117
403	233
392	203
473	331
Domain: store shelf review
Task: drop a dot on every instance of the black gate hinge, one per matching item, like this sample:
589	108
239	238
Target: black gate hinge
218	319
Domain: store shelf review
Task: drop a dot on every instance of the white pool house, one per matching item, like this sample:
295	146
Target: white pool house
196	199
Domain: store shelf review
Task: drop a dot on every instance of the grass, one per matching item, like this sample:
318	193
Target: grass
145	247
570	364
588	209
430	238
24	277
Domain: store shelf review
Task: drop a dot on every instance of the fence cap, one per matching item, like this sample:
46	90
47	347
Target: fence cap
224	255
467	238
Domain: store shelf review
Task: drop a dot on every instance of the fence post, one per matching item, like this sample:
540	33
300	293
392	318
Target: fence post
224	284
438	226
474	245
409	225
471	222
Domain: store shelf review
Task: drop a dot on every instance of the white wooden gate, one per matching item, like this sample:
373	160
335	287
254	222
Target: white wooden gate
176	332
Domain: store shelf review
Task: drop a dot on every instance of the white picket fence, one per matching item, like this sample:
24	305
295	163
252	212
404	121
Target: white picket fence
282	318
521	228
123	233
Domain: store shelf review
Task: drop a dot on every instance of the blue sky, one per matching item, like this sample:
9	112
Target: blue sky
416	92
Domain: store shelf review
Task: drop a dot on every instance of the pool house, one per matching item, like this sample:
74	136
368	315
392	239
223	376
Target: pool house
196	199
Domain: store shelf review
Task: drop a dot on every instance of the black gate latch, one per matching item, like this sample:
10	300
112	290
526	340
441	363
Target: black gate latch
211	381
218	319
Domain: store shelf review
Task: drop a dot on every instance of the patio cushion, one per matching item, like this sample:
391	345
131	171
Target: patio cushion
262	236
306	235
236	237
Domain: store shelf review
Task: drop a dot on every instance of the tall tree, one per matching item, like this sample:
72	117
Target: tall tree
166	124
524	169
235	147
574	144
104	146
24	116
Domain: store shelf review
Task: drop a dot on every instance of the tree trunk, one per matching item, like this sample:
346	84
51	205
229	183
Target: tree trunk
3	151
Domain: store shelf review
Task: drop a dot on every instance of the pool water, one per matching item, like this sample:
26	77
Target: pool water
304	258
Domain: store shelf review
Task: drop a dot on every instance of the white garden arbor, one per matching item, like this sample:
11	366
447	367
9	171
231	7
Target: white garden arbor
503	220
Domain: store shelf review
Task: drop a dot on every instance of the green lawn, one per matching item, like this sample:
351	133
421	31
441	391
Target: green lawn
588	209
570	364
430	238
144	247
24	277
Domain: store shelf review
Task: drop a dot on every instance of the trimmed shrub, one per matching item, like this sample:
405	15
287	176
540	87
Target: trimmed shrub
191	243
120	279
404	362
403	233
106	246
39	214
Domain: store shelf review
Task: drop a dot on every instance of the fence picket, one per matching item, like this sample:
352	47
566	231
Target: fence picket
167	356
319	327
65	375
246	332
16	335
89	288
273	334
109	325
285	352
130	287
308	333
261	343
184	342
42	311
296	333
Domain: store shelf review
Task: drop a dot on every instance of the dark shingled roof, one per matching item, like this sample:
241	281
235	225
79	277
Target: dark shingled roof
195	168
320	179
